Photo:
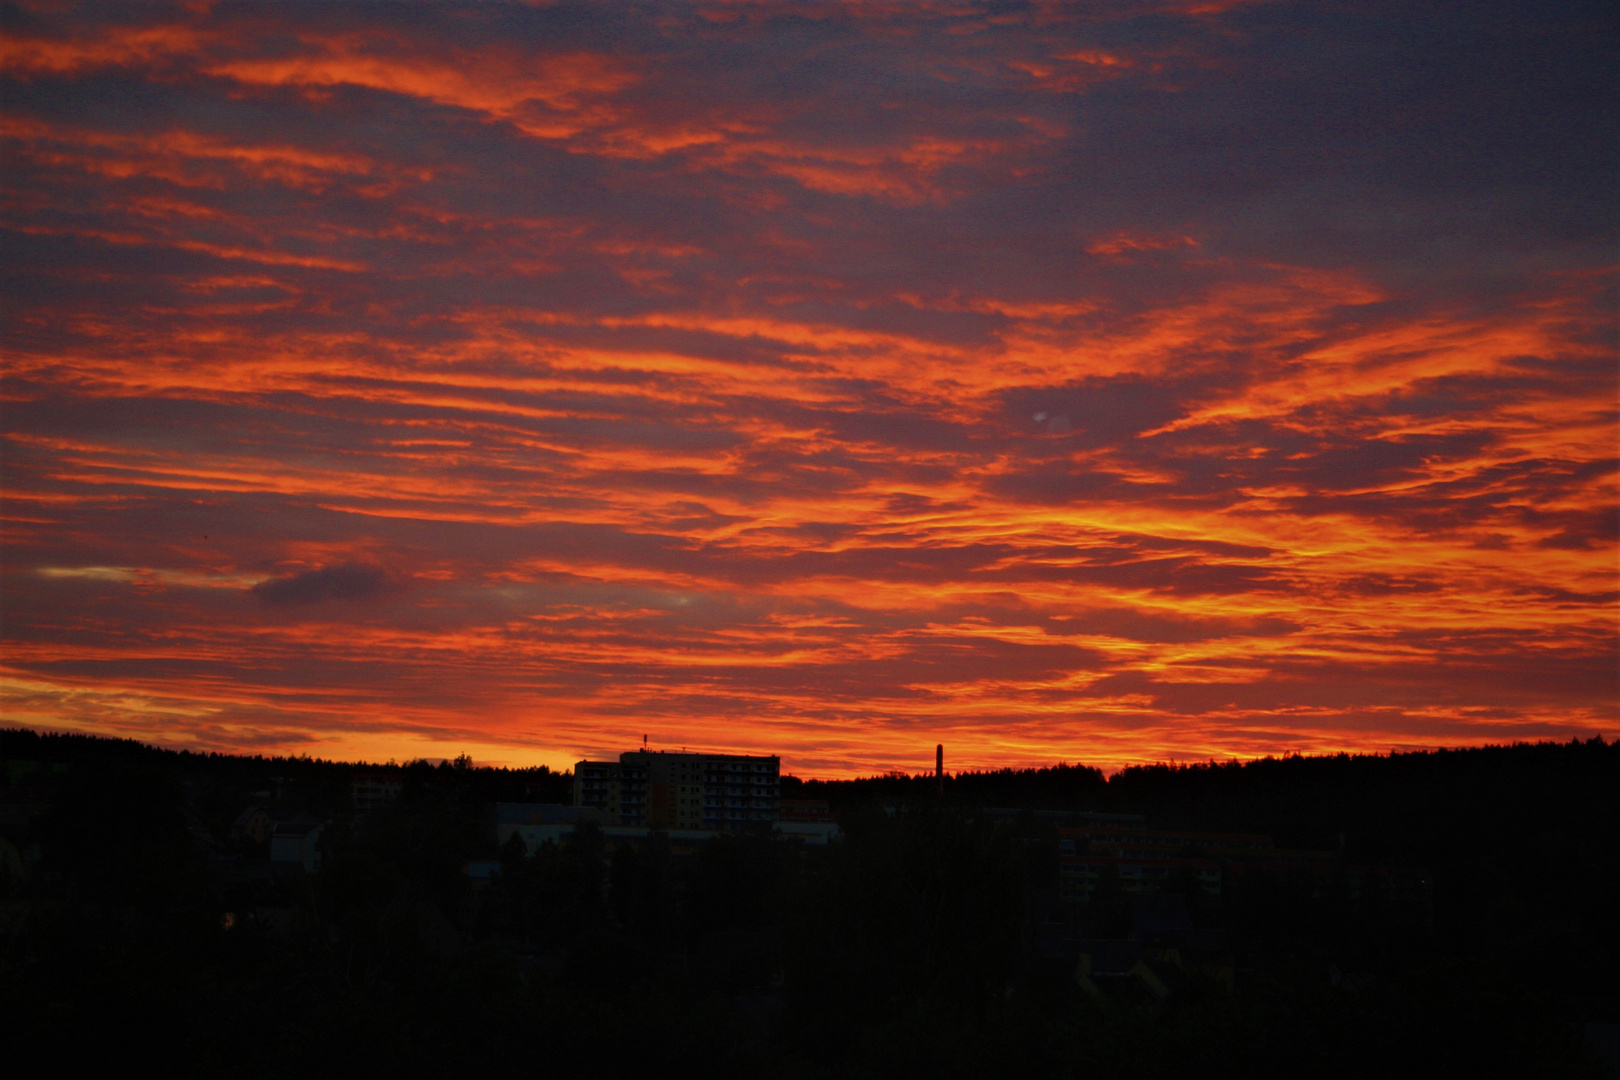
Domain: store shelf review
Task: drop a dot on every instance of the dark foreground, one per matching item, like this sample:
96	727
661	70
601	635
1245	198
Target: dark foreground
134	927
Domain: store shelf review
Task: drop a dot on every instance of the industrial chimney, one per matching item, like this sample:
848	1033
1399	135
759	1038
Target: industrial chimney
939	769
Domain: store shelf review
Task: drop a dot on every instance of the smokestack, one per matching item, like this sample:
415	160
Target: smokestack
939	769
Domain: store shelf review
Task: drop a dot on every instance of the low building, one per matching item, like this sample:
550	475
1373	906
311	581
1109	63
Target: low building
1146	861
1082	875
1149	860
297	845
371	790
541	823
1136	842
1009	814
810	820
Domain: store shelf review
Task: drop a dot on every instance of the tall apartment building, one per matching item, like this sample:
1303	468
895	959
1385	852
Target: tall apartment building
718	792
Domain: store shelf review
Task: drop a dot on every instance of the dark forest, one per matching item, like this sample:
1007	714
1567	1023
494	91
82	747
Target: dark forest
931	939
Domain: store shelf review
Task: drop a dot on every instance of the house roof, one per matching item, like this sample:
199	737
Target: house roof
296	828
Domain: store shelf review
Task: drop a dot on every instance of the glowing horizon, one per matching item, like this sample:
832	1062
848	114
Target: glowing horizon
1168	381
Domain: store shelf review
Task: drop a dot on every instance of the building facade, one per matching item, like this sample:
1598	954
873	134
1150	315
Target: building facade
297	845
1136	861
1149	860
713	792
371	790
540	823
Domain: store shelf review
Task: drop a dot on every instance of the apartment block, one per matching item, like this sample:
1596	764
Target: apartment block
715	792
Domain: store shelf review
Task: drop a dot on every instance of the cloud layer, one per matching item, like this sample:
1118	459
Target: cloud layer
1088	382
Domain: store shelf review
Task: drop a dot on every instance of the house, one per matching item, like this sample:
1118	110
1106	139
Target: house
1122	971
295	845
253	825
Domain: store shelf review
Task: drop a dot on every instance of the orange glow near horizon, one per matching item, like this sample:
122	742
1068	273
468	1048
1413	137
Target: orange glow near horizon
829	381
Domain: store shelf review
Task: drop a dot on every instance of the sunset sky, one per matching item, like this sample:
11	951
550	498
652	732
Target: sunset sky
1097	382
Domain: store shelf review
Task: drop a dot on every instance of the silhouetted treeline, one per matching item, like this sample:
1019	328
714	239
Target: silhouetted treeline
1054	787
220	785
917	945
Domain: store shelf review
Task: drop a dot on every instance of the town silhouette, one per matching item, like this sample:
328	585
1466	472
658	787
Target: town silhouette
1431	913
